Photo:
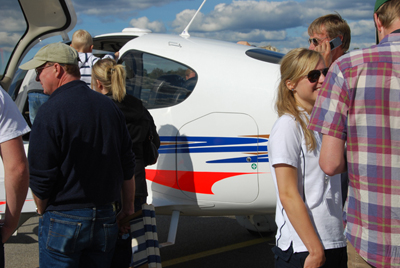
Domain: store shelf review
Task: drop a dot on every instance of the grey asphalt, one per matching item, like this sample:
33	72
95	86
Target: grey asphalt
201	242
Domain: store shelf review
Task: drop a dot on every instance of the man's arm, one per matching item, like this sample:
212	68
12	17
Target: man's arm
128	200
332	158
16	182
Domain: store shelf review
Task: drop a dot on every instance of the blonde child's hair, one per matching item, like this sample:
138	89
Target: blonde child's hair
82	41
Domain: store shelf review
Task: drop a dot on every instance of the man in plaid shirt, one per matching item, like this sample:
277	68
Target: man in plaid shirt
360	104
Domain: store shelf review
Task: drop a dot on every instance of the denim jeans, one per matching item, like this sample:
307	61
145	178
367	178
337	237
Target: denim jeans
35	100
77	238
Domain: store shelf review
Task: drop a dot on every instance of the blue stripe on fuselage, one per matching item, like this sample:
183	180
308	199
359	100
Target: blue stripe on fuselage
186	144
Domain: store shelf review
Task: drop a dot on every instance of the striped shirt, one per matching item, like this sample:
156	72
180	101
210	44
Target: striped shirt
87	60
360	103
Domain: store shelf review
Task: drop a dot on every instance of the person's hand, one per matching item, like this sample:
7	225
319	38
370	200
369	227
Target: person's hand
6	231
123	229
315	260
325	49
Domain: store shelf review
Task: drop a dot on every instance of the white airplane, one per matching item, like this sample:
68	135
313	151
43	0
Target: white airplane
214	128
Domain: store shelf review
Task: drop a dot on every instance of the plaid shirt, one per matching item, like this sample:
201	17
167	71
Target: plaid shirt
360	103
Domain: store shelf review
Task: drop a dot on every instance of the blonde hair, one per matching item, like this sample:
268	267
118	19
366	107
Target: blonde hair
270	47
112	76
389	12
296	64
334	26
82	41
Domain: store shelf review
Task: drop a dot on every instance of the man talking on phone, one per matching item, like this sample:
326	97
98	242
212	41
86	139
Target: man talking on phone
324	31
329	28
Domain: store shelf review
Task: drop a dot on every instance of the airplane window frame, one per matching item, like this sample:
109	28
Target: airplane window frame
165	86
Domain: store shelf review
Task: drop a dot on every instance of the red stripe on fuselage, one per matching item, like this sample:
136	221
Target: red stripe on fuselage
189	181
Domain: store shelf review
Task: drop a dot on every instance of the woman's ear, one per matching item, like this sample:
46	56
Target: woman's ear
290	85
99	84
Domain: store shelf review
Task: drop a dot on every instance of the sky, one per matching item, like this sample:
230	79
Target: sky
282	24
279	23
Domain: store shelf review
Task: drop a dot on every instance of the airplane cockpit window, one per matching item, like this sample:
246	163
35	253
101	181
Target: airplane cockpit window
157	81
264	55
12	31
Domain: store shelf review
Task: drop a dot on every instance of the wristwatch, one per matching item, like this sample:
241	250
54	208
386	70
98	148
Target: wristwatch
37	212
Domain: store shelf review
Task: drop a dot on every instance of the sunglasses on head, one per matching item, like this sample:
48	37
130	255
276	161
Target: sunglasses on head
315	41
313	76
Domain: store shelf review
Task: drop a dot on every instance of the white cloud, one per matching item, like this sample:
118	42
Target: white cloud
362	27
8	40
144	23
11	20
269	15
242	16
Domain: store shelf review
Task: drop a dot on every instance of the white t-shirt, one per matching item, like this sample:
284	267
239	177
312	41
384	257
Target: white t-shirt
12	124
321	193
87	60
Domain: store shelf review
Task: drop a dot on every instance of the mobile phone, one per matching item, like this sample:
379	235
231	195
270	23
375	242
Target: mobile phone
335	43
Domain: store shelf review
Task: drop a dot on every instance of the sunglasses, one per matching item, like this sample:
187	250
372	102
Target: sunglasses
39	70
313	76
315	41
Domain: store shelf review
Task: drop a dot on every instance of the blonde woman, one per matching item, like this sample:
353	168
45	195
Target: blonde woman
108	78
308	213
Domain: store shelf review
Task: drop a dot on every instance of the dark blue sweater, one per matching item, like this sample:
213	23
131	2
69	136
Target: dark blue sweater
80	150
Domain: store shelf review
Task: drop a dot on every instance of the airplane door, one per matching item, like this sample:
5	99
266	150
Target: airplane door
217	158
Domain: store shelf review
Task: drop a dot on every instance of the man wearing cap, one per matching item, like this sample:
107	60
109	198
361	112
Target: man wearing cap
360	103
80	159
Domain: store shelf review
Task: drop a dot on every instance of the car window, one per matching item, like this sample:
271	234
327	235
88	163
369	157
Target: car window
157	81
12	28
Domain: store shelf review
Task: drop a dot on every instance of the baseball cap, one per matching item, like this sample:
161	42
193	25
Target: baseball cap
378	4
55	52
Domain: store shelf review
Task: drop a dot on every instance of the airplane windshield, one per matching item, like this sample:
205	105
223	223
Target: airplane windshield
12	28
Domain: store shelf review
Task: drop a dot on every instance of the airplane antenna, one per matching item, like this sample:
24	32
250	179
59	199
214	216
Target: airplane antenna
185	32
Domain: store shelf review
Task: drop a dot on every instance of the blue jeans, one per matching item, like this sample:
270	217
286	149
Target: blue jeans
35	100
77	238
